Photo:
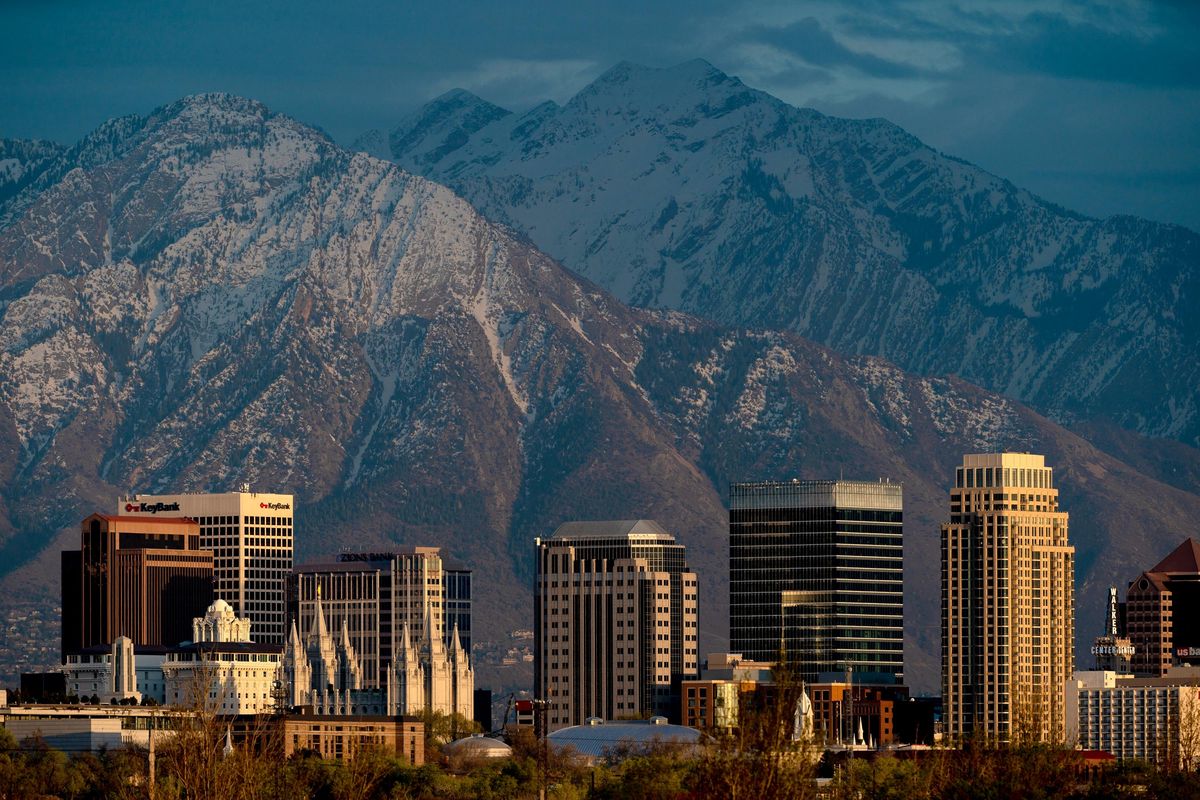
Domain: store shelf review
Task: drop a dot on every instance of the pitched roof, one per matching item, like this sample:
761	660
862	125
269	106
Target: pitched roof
615	528
1185	558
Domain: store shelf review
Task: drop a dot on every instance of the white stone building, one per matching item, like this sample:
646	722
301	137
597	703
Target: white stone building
223	671
89	673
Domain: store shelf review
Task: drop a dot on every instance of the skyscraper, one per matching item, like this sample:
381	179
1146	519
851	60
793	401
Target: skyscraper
140	578
817	568
1008	600
615	622
250	535
1162	611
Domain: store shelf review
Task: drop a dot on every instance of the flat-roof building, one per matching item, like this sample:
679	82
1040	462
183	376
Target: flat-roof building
250	536
615	622
375	595
135	577
1150	719
816	568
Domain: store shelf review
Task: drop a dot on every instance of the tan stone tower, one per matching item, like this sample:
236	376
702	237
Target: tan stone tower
1008	600
615	622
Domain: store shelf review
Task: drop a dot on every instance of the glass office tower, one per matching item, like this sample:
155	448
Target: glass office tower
816	569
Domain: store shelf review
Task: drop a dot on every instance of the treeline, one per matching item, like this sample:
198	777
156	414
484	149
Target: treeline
203	771
761	761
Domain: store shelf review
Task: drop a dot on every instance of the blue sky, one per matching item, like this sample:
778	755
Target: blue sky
1094	105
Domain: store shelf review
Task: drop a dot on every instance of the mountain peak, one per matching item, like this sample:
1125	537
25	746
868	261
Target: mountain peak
628	79
222	103
443	124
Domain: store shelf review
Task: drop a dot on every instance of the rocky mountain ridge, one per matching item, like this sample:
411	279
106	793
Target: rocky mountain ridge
683	188
216	294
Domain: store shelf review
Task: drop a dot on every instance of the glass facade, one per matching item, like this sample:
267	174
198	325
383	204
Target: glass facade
816	568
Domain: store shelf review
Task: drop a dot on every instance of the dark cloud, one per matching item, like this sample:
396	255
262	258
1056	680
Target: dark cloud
1075	100
1051	44
815	45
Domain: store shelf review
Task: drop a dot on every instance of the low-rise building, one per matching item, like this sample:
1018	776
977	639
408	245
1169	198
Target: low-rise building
1150	719
77	728
858	710
344	737
89	673
726	683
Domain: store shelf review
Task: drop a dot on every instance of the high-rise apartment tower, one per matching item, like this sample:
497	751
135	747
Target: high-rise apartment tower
1008	600
250	535
816	569
615	622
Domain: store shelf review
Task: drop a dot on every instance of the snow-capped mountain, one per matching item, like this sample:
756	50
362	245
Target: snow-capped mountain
22	161
216	294
683	188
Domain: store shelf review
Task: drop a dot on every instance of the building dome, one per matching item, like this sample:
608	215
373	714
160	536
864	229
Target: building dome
597	738
220	624
478	746
219	609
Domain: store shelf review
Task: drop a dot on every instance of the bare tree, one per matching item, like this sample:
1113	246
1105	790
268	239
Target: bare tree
762	757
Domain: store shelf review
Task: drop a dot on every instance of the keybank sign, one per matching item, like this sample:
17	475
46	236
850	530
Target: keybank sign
150	508
276	506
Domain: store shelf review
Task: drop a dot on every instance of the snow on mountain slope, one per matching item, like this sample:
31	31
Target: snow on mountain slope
683	188
216	294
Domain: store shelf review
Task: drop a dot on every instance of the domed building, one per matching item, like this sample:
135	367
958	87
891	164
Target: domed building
596	739
222	670
478	746
220	624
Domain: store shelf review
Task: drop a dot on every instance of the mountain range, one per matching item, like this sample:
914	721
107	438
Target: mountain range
683	188
215	294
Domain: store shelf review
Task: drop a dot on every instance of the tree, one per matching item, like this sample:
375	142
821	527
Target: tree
762	757
442	728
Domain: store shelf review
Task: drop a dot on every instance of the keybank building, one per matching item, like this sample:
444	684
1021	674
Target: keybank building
816	571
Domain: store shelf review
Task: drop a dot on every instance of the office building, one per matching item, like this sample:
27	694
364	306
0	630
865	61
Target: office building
1008	600
853	712
615	622
1148	719
816	569
250	536
141	578
375	595
1162	612
342	738
726	683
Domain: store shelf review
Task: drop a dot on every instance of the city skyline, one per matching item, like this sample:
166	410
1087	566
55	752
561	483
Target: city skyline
459	381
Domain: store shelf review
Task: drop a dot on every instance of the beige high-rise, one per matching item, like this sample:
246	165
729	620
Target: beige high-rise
1008	600
615	622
